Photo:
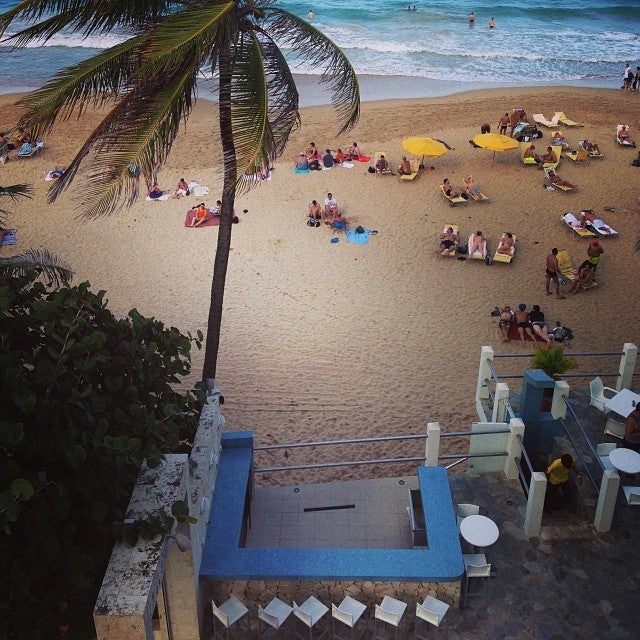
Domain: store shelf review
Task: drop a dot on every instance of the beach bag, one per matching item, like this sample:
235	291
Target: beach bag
312	222
371	170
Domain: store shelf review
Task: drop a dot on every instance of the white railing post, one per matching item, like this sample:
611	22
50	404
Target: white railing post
627	366
482	388
606	500
500	402
432	448
558	405
535	504
514	450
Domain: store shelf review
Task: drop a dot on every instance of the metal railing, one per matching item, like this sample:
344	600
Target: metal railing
524	481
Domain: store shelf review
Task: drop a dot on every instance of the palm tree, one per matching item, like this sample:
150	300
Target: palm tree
149	85
57	271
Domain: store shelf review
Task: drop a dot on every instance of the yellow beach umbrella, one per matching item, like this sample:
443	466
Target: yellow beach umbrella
425	147
495	142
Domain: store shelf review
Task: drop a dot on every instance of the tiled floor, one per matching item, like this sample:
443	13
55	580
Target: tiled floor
368	514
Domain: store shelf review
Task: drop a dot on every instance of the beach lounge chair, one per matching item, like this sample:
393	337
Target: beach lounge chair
594	223
504	257
453	250
624	143
567	271
453	200
552	165
478	196
565	121
558	187
550	124
477	254
577	225
592	153
415	167
386	171
528	161
578	156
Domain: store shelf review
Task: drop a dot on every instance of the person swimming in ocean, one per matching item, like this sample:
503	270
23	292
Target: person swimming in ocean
492	23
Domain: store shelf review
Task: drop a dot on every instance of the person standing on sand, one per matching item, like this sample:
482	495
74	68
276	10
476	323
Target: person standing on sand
552	273
594	251
503	123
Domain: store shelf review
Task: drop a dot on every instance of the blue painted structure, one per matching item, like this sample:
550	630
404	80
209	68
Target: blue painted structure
224	557
542	428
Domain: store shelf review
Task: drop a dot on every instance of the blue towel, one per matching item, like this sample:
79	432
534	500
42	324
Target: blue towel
296	170
9	238
358	238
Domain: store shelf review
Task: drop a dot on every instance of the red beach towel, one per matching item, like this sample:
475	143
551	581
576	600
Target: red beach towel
214	221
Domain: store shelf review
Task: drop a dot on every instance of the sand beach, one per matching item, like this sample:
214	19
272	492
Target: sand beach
329	340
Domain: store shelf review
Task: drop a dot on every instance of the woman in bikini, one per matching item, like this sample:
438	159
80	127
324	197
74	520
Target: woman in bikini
506	318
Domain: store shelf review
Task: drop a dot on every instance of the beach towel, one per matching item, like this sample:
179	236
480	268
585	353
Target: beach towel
362	159
214	221
302	171
347	165
163	197
9	238
197	189
358	238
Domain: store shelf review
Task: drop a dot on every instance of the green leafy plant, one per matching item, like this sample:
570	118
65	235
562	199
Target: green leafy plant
553	362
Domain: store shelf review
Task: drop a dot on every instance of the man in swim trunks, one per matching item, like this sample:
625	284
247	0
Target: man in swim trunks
448	240
552	273
594	251
550	156
503	124
472	18
405	167
506	317
315	210
524	324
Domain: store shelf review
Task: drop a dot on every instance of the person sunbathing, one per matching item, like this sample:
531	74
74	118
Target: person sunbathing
586	275
471	188
450	190
556	180
506	244
354	152
589	146
623	137
182	189
506	318
524	324
558	140
338	221
539	325
448	240
405	167
201	216
155	192
478	243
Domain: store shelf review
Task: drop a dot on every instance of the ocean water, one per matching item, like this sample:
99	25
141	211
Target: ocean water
534	42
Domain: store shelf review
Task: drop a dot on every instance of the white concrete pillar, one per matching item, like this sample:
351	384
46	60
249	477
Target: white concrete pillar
486	355
535	504
500	403
607	500
627	366
558	405
432	449
514	450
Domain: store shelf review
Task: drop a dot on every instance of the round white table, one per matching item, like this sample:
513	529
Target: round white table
479	531
625	460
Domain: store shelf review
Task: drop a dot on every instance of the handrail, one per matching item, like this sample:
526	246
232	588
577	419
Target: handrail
577	452
590	374
568	354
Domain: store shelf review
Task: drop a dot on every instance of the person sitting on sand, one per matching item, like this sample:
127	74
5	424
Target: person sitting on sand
330	206
530	152
471	188
524	324
201	215
448	239
338	221
182	189
506	318
312	152
623	137
54	174
586	275
217	209
450	190
555	179
539	325
506	244
354	152
382	165
405	167
155	192
328	160
302	164
340	157
478	243
315	210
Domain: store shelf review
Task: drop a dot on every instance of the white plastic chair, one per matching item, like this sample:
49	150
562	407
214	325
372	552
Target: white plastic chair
310	612
273	616
388	612
614	428
348	612
230	613
464	509
600	394
603	450
632	494
476	568
431	611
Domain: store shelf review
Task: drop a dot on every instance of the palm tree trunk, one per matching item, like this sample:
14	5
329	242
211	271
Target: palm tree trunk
214	322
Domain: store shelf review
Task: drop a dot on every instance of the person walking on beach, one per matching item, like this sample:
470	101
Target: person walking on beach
627	79
594	251
552	273
503	123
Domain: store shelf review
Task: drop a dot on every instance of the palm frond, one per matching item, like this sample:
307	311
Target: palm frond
314	47
54	269
14	192
93	81
139	130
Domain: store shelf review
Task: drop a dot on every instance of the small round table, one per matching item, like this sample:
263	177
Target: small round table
625	460
479	531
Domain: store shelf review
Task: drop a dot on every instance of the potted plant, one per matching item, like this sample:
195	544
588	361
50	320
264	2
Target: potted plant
553	362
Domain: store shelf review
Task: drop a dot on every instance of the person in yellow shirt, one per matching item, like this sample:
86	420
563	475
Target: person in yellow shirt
558	473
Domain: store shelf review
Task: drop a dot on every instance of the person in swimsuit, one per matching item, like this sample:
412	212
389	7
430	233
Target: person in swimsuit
471	188
448	240
338	221
315	210
594	251
506	318
506	245
539	325
202	215
450	190
472	18
353	153
155	192
524	324
503	124
586	274
182	189
492	23
478	243
405	167
550	156
552	273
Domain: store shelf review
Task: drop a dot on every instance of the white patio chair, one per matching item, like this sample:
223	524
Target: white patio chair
476	568
614	428
229	614
388	612
272	617
603	450
310	612
431	611
464	509
349	612
600	394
